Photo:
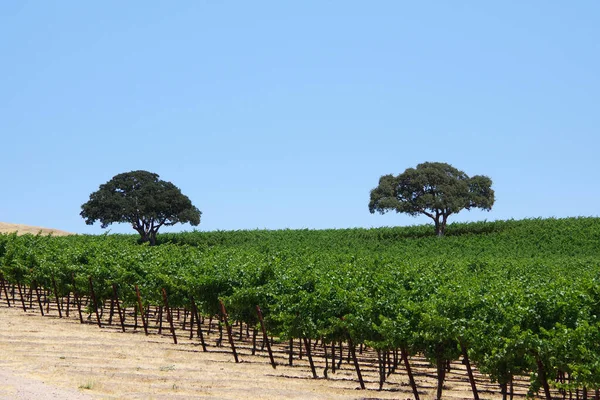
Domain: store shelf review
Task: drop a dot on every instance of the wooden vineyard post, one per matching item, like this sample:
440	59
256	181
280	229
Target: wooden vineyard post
220	340
326	361
197	316
111	309
116	299
333	356
254	334
169	315
4	288
413	384
469	370
56	297
309	356
76	297
291	356
160	319
37	294
30	296
21	295
191	322
228	327
141	309
381	369
265	337
94	302
68	303
355	360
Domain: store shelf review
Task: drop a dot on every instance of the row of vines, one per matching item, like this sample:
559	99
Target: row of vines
513	298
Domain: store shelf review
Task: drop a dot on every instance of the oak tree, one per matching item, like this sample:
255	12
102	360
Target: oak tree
434	189
141	199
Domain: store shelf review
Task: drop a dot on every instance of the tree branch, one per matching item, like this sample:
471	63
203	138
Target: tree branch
430	215
155	229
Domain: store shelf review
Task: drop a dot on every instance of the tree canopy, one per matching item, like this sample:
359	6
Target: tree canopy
434	189
141	199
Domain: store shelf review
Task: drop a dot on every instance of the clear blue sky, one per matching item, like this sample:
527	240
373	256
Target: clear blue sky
282	114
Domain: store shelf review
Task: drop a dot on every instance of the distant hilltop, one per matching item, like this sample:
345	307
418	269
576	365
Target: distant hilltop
34	230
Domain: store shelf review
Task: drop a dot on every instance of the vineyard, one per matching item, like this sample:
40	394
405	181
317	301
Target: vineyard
516	302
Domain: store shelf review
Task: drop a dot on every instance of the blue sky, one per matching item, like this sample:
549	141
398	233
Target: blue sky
285	114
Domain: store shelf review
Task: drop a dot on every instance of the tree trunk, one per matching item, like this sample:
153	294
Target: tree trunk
438	230
152	238
443	225
440	226
143	235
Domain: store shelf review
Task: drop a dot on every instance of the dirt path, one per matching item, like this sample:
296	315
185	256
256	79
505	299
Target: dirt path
15	387
46	356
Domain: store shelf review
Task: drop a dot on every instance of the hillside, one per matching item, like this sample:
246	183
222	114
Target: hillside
24	229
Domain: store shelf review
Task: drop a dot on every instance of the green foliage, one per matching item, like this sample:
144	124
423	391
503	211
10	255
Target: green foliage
512	292
436	190
142	200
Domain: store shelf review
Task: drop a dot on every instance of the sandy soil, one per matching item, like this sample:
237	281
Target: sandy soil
47	357
19	387
23	229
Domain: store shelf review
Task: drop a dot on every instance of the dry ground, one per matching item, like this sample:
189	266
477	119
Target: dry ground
48	357
23	229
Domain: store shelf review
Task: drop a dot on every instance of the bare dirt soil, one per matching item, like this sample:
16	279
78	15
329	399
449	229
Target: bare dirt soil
23	229
19	387
46	357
